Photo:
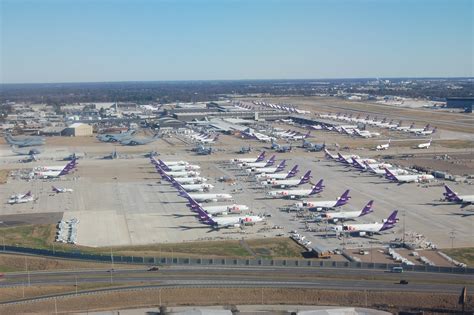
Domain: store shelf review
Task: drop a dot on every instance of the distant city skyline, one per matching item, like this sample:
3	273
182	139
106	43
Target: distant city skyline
53	41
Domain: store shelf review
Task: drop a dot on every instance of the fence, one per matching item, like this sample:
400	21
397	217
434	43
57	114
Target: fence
231	261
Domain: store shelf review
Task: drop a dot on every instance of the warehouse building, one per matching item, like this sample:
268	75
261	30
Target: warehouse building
465	103
78	130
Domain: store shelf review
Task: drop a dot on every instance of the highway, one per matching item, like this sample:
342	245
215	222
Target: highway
251	277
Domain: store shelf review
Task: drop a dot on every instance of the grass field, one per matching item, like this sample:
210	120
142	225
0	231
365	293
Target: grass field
464	255
42	237
7	294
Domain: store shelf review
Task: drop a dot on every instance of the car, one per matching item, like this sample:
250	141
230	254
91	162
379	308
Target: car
403	282
154	268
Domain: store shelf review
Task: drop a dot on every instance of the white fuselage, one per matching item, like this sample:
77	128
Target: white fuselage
467	198
182	174
190	180
293	193
335	216
236	220
197	187
282	182
63	190
225	209
272	176
383	146
424	145
329	204
367	227
244	160
48	174
210	197
20	200
188	167
254	165
50	168
265	170
172	163
413	178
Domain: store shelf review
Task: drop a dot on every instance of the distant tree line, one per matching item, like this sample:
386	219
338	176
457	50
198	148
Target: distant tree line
196	91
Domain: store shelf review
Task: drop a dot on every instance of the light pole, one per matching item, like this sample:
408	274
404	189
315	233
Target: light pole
452	237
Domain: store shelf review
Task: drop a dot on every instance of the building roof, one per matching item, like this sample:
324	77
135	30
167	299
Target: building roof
75	125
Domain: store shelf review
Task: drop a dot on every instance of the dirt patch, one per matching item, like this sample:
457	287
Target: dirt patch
455	164
4	176
12	220
235	296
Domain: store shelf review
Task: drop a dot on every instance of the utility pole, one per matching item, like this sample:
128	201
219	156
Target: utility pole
403	236
75	276
27	271
112	269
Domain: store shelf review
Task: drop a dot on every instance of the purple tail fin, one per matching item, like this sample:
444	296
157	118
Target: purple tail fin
261	157
389	175
281	166
450	195
390	222
305	179
357	164
55	189
318	188
271	161
28	194
164	166
343	199
367	209
293	172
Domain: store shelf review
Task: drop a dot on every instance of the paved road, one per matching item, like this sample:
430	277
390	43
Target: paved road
323	278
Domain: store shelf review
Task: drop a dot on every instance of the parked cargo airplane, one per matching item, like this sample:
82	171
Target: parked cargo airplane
260	158
268	163
384	146
300	193
177	173
61	190
267	170
194	187
174	168
415	178
226	221
204	197
20	198
283	183
368	228
56	173
222	209
425	145
322	205
290	174
346	215
452	196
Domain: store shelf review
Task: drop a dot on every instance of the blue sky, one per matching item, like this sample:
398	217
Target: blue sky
143	40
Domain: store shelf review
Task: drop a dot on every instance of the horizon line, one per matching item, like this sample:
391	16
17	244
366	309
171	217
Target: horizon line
231	80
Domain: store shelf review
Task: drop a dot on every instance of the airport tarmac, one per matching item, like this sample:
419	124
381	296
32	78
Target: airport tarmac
120	202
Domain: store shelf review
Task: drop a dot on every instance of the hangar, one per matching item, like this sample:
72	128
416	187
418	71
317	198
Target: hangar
78	130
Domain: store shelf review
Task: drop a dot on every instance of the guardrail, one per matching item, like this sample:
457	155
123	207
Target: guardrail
231	261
